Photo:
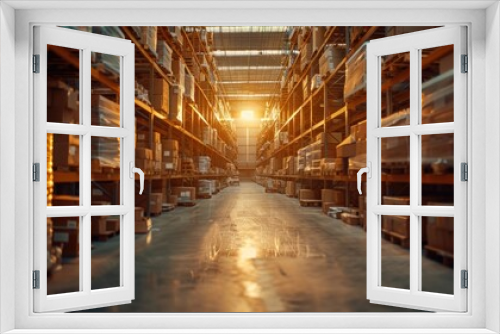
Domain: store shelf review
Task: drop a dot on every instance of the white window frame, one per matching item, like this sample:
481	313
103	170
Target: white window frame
86	43
484	48
413	44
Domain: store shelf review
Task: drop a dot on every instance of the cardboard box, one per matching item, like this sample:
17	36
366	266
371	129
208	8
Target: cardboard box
307	194
401	225
184	193
157	152
346	150
156	202
139	213
143	225
170	144
336	196
143	154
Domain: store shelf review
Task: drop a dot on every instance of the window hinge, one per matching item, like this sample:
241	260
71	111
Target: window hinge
465	64
36	279
464	279
464	172
36	172
36	63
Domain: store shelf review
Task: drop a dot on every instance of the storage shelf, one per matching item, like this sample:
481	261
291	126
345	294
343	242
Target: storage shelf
446	179
73	177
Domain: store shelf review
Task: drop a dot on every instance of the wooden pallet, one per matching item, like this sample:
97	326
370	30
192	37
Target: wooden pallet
396	238
204	196
166	207
310	202
439	255
186	203
271	190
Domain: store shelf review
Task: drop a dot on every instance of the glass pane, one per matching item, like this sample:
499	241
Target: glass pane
437	254
437	84
63	255
63	84
395	252
395	93
63	166
105	252
437	169
105	153
105	102
395	166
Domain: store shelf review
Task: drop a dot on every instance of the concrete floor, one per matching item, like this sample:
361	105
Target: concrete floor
248	251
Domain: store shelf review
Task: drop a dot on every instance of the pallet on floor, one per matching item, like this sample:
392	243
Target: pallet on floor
439	255
186	203
204	196
310	202
396	238
166	207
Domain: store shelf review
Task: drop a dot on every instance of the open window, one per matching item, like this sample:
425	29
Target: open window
71	125
429	120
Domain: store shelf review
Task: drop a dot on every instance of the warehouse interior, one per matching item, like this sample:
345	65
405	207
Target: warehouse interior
250	139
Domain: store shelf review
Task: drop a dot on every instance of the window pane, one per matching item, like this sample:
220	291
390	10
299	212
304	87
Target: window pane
395	93
437	250
105	252
63	255
105	91
63	84
395	166
63	166
437	169
437	84
105	154
395	252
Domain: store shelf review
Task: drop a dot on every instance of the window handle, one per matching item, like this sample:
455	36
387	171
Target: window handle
368	171
134	170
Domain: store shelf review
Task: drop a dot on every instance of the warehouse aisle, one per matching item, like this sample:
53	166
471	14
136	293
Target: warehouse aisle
245	250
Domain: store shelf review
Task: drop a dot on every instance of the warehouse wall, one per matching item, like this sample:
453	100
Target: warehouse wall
247	132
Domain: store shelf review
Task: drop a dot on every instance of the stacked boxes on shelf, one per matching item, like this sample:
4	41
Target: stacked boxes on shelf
160	95
164	56
170	156
202	164
189	87
148	38
355	74
330	58
175	103
318	38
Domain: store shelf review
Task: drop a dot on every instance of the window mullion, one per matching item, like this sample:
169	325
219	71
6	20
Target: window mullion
414	171
85	180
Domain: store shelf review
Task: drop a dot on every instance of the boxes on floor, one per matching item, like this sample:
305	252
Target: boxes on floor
308	194
66	235
143	226
184	193
336	196
155	203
